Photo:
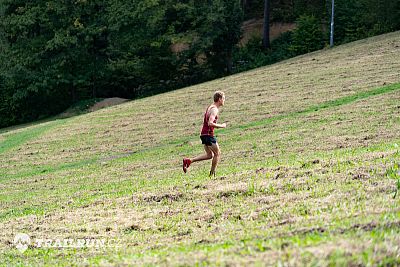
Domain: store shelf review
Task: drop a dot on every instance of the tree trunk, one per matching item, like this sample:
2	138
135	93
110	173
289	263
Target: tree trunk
246	4
266	42
73	93
93	82
229	63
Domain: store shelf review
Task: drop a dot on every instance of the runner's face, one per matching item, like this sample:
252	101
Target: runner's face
222	100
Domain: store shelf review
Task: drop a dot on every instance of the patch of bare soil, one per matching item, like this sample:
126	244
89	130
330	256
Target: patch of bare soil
254	27
250	28
108	102
163	196
179	47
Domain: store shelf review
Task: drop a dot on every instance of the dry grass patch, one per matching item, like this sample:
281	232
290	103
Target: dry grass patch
304	168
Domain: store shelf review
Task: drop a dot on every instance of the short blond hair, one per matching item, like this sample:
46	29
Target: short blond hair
218	95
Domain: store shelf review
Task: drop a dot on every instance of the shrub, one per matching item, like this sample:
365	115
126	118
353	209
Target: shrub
253	55
308	36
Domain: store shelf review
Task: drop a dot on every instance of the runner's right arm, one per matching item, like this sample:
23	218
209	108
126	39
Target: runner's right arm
213	114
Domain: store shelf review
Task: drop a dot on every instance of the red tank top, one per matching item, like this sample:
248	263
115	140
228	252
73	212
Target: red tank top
208	130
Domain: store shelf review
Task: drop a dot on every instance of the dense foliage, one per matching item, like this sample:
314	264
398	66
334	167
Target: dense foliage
55	53
354	19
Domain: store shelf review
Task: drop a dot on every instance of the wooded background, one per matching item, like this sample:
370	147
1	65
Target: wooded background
56	53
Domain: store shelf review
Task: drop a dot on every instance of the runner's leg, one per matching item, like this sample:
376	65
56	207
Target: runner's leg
217	155
208	155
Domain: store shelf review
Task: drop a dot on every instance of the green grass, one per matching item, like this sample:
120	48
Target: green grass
328	104
308	176
21	137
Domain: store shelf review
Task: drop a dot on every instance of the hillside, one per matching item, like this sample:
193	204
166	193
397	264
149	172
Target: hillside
308	172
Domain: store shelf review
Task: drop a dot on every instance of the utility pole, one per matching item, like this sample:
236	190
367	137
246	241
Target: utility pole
332	22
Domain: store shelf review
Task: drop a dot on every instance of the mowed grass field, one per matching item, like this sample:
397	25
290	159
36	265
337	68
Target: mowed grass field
308	176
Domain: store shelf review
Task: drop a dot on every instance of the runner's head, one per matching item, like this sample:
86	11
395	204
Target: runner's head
219	97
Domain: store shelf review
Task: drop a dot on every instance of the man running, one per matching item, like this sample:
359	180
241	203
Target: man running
207	135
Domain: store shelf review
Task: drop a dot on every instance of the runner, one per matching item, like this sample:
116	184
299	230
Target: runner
207	137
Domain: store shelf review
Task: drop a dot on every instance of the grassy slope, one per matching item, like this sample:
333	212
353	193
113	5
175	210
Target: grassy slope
304	177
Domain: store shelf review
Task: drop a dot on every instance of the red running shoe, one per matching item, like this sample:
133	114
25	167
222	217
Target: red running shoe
185	164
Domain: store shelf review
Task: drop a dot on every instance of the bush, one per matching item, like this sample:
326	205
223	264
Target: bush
250	56
253	55
308	36
281	46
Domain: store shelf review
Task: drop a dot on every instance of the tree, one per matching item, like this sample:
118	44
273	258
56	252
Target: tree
308	36
218	31
267	11
57	53
140	57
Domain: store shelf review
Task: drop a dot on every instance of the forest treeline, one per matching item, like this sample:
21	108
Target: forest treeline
56	53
